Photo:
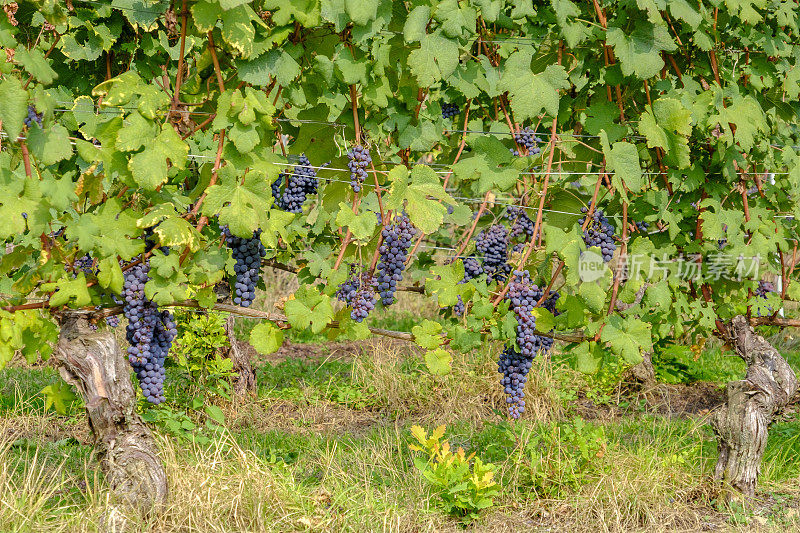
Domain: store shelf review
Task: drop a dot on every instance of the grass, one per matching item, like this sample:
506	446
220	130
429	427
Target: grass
304	455
324	446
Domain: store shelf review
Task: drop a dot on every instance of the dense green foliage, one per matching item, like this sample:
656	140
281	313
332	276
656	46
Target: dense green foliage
178	117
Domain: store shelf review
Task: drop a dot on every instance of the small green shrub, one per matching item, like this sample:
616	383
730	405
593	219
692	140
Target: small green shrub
198	375
603	385
561	457
197	354
465	487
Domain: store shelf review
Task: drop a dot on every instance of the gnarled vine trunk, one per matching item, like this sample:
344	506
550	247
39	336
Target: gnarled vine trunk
245	380
93	363
752	403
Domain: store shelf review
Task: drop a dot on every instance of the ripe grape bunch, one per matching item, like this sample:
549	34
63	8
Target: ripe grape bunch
33	116
84	264
449	110
512	364
358	161
150	333
599	233
358	291
347	289
472	269
514	367
492	243
248	253
300	183
393	254
764	288
520	222
529	140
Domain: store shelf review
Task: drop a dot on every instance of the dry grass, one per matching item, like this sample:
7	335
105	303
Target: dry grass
354	471
469	393
368	484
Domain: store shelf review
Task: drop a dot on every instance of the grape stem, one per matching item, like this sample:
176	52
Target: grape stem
26	158
546	292
218	161
592	205
608	58
179	75
354	105
659	155
538	224
346	240
620	262
200	126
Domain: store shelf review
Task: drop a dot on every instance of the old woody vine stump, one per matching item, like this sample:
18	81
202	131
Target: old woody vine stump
752	404
465	152
128	454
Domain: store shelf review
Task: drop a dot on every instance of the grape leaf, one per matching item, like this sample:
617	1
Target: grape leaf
309	308
438	361
149	167
51	146
13	109
266	338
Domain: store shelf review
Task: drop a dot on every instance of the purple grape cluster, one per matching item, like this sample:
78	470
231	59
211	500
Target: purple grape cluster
472	269
523	297
449	110
521	224
84	264
248	253
393	254
512	364
33	116
112	321
642	226
358	161
723	242
764	288
529	140
492	243
150	333
358	291
599	233
300	182
514	368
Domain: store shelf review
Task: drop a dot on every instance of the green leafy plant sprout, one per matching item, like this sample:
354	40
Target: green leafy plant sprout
464	483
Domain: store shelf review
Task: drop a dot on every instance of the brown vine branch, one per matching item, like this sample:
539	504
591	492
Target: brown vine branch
354	105
179	75
537	227
26	158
